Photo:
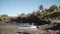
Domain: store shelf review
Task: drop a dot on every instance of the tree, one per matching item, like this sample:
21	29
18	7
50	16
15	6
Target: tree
4	15
53	7
41	7
22	15
59	7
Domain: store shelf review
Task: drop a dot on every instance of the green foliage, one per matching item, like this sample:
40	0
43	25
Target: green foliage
3	15
53	7
41	7
52	12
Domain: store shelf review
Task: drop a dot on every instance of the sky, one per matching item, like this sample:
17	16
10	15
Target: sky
15	7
